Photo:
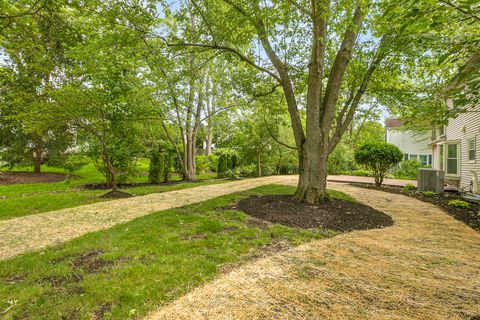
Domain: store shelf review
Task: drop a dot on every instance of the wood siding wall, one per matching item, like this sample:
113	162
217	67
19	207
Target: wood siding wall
410	142
466	126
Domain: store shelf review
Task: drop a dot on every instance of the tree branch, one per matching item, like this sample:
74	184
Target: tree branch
29	11
340	64
227	49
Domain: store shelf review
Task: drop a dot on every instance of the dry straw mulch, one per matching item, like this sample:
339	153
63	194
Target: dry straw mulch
38	231
426	266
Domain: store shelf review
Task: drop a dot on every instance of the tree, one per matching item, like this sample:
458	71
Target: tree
333	58
33	50
378	157
98	95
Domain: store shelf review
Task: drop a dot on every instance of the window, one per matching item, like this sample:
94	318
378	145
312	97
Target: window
430	159
405	156
471	149
452	158
423	160
413	157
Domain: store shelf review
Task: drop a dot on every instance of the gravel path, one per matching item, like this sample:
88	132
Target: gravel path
38	231
426	266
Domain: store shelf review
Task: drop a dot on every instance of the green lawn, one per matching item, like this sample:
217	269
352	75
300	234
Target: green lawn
26	199
128	270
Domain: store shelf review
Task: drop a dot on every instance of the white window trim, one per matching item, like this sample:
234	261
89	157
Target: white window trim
445	157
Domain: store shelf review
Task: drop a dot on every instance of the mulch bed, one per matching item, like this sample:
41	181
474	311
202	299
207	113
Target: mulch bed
338	215
470	216
21	177
116	195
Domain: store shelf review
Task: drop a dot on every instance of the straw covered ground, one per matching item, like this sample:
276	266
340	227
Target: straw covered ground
426	266
38	231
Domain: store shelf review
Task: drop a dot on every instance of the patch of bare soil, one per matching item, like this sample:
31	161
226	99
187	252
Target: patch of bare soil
20	177
116	195
470	216
336	214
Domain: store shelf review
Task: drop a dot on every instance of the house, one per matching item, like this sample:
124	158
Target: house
413	144
455	148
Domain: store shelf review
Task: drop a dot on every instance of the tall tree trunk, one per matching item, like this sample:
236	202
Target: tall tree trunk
37	163
312	183
189	170
208	141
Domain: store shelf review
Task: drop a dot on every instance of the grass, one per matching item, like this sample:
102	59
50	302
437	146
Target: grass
128	270
26	199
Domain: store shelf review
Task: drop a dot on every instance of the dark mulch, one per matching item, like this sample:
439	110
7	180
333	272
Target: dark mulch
21	177
336	214
470	216
116	195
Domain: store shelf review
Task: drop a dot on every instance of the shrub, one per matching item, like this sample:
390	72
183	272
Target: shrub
459	204
232	174
429	194
341	160
161	161
378	157
409	187
227	160
73	163
201	163
407	169
212	163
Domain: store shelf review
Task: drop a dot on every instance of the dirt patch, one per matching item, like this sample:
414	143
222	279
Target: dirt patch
336	214
61	281
469	216
116	195
14	279
21	177
199	236
91	262
100	312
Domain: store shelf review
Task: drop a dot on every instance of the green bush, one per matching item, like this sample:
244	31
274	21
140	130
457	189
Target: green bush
459	204
212	163
161	161
73	163
378	157
232	174
429	194
409	187
407	169
341	160
201	163
227	160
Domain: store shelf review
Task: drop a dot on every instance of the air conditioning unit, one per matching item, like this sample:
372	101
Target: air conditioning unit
430	180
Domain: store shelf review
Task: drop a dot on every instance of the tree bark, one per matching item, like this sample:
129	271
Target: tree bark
37	164
312	182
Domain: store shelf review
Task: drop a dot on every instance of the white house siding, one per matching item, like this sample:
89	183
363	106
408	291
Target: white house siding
466	126
410	142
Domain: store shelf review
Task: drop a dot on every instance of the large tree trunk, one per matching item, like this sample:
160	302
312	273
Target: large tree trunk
189	168
312	183
37	163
